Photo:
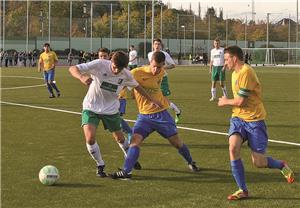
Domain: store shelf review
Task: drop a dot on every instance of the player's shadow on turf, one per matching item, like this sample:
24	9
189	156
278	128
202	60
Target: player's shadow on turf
76	185
273	198
200	146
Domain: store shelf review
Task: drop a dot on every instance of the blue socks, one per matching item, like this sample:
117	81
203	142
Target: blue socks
184	151
238	173
274	163
125	126
54	86
132	157
49	87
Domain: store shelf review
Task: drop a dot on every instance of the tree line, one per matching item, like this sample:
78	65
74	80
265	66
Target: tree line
173	21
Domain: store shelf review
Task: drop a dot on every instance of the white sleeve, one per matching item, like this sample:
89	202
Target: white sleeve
169	60
150	56
89	67
130	82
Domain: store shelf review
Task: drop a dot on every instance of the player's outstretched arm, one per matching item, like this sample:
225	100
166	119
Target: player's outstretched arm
146	95
84	78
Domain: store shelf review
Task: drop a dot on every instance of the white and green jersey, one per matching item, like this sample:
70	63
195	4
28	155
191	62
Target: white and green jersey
217	56
168	60
102	96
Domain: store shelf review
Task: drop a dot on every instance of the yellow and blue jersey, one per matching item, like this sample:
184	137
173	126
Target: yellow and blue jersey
151	83
48	60
246	84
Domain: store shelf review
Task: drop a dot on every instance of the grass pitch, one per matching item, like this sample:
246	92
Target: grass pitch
32	138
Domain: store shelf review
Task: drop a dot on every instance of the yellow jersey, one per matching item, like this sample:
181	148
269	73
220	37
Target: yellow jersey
246	84
151	83
48	60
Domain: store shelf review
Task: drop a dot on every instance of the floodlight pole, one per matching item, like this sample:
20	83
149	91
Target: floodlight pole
246	33
152	23
3	27
70	26
289	38
110	39
128	27
267	61
226	31
27	24
183	26
91	30
161	21
297	29
49	21
145	32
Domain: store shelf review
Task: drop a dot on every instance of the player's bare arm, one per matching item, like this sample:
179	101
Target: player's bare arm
84	78
146	95
238	101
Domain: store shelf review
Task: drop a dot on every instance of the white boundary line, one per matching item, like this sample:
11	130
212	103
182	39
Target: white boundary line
179	127
22	87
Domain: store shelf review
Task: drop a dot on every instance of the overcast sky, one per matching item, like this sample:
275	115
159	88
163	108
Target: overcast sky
242	8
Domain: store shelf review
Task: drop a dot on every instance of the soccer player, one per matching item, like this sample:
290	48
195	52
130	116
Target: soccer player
133	61
103	53
47	62
247	122
169	64
105	79
217	70
151	118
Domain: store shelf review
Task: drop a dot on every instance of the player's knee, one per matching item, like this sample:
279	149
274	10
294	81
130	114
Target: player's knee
234	150
258	163
90	140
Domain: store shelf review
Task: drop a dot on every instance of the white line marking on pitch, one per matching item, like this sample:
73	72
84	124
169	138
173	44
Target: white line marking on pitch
22	87
179	127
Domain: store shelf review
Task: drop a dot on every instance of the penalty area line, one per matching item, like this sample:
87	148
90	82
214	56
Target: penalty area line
179	127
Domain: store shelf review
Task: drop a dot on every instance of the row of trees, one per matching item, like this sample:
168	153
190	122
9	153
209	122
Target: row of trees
16	20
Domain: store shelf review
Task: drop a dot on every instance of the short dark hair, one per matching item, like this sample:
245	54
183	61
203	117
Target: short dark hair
46	44
235	51
157	39
217	39
120	59
158	57
103	50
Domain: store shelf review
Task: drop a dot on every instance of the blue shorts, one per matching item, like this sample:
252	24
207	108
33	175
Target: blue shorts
49	75
255	132
161	122
122	108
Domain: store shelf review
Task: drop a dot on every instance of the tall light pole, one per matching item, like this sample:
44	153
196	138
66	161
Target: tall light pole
183	26
91	26
27	25
70	26
42	23
194	30
246	33
85	19
267	60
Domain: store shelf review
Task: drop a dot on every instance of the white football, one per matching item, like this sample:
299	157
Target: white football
48	175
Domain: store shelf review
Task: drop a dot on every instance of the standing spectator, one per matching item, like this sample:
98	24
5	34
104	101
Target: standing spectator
133	58
15	57
1	56
5	55
30	58
70	58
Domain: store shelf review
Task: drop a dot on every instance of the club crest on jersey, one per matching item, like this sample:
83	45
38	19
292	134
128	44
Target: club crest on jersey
120	81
